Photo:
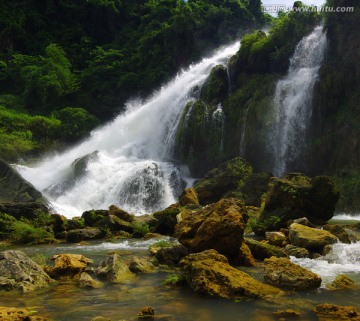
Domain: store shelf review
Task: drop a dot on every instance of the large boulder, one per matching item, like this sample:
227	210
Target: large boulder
219	226
296	196
284	273
93	217
310	238
78	235
67	266
120	213
329	312
164	221
341	282
209	273
221	180
17	271
115	270
171	255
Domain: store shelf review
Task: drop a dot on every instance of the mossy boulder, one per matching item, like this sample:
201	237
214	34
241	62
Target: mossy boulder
121	214
78	235
115	270
299	252
140	265
296	196
164	222
67	266
188	197
93	217
171	255
262	250
19	272
216	87
341	282
282	272
19	314
219	226
310	238
221	180
209	273
114	223
199	137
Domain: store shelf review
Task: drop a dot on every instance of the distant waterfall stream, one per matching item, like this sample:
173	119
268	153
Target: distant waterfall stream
293	101
127	161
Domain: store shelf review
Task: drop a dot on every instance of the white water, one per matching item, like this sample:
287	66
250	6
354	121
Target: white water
131	168
342	259
292	101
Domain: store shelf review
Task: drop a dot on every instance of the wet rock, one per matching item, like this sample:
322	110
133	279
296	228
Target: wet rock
341	282
17	271
275	238
121	214
76	236
209	273
115	270
100	319
219	226
296	251
284	273
216	87
328	312
222	180
80	164
164	221
263	250
19	314
171	255
310	238
296	196
287	314
58	224
140	265
146	313
188	197
67	266
345	235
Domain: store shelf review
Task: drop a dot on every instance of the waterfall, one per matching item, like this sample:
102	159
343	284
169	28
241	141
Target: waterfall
293	102
218	124
126	162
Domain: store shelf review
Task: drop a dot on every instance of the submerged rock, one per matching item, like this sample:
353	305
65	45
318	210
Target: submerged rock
209	273
68	266
296	196
19	314
219	226
310	238
18	271
86	281
115	270
328	312
284	273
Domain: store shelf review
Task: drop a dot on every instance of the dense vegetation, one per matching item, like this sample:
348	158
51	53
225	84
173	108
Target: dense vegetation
59	56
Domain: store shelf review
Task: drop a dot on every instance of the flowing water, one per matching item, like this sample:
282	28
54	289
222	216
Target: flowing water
293	102
128	161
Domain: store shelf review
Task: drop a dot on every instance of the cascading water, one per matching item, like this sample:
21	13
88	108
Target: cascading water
125	162
293	101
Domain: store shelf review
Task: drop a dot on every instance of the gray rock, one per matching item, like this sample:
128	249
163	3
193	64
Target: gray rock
17	271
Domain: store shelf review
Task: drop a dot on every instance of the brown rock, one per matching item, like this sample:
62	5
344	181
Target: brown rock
282	272
275	238
287	314
115	270
209	273
328	312
310	238
245	256
67	266
19	314
263	250
219	226
189	197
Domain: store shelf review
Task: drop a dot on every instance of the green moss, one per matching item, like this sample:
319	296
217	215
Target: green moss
174	279
216	87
